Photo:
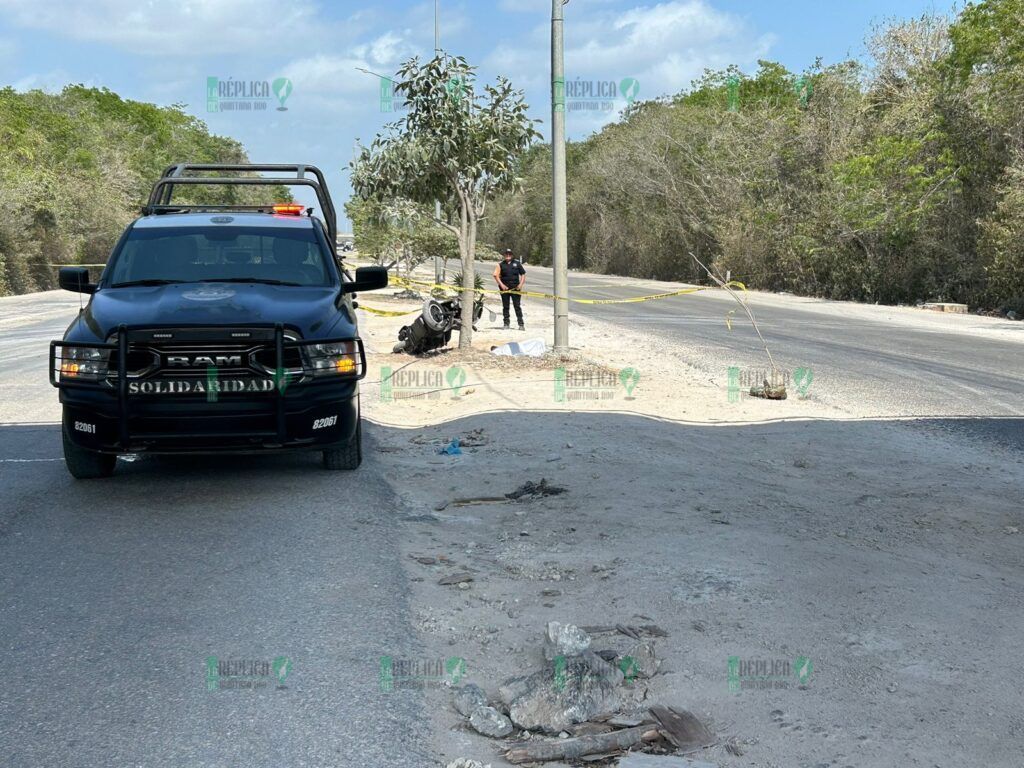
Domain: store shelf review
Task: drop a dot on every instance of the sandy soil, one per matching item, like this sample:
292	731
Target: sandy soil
763	530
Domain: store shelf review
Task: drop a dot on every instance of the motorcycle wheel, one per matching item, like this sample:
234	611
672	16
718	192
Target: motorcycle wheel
434	316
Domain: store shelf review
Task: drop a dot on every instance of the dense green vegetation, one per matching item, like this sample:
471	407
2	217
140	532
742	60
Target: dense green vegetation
401	232
894	180
76	166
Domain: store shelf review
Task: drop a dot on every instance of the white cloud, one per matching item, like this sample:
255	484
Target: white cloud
184	27
51	82
341	74
541	6
664	46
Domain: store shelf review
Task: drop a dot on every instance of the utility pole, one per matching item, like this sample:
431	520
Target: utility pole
559	231
438	272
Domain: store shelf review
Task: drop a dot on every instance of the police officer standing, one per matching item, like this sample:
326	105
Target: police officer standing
510	276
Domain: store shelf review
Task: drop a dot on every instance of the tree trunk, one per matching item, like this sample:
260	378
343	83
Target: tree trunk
468	280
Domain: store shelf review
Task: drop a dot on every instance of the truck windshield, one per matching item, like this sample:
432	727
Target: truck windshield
235	254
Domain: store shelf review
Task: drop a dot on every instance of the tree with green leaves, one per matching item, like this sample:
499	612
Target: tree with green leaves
895	179
453	145
399	231
75	168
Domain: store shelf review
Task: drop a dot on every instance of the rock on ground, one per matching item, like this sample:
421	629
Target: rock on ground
640	660
469	697
566	692
564	640
490	722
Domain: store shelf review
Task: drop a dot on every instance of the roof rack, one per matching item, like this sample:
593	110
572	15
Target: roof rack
175	175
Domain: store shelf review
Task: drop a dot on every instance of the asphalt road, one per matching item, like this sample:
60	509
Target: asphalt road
114	594
867	361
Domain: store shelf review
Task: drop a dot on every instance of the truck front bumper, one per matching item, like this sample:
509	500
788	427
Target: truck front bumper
236	412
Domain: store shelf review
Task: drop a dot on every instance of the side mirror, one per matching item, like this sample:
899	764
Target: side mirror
75	279
367	279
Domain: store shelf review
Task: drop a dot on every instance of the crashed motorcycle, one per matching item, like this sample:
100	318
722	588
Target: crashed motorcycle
433	328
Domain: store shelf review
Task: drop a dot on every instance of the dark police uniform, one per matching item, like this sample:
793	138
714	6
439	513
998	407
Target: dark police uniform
511	271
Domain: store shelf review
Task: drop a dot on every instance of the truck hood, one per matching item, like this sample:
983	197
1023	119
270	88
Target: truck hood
309	310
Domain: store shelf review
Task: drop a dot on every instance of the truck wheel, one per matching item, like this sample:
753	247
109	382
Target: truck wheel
348	455
84	464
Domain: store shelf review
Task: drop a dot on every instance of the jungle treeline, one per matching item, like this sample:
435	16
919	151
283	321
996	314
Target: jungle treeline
895	179
75	168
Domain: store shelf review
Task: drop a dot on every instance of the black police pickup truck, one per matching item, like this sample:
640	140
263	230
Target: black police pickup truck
216	328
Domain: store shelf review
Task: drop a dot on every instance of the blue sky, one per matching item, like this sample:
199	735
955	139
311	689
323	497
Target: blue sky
164	51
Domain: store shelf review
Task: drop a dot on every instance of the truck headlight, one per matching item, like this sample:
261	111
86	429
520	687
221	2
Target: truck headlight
337	358
84	363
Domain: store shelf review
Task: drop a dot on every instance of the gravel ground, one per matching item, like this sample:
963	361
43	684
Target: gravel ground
886	551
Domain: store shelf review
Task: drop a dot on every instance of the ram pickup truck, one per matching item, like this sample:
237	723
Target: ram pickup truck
216	328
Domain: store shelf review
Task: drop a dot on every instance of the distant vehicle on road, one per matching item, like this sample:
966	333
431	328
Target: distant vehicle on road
216	328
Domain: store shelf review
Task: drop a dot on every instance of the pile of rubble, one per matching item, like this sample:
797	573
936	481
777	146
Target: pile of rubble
585	705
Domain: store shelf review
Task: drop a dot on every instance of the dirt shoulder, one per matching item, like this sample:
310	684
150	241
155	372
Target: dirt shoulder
750	529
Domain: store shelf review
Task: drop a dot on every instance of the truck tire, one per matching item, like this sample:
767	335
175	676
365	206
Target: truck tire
348	455
84	464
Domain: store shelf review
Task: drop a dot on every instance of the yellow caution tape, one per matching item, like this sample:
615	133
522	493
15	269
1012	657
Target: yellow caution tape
387	313
407	282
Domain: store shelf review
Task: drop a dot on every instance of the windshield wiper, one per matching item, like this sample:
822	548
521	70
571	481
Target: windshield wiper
261	280
149	281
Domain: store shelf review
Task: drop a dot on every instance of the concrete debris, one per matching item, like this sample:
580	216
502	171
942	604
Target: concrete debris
474	438
531	490
468	697
512	689
465	762
570	690
564	640
490	722
769	392
640	660
576	699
